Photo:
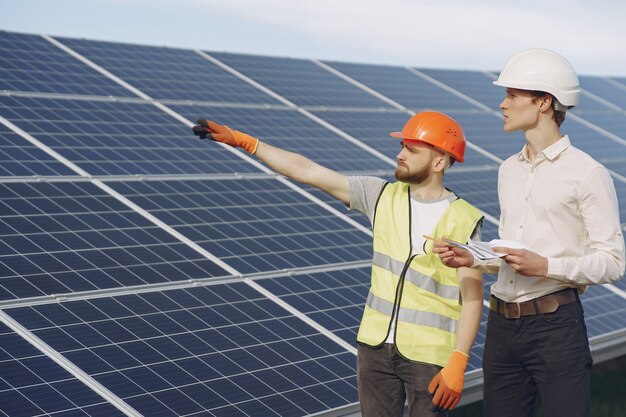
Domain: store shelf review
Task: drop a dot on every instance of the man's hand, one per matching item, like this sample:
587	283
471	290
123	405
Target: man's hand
452	256
219	133
447	385
524	261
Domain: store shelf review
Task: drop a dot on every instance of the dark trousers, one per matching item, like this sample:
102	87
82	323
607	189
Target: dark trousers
545	354
386	381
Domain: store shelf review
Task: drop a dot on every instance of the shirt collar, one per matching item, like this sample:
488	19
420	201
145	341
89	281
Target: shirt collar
551	152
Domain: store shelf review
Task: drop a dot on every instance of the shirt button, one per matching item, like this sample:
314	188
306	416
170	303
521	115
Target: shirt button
511	282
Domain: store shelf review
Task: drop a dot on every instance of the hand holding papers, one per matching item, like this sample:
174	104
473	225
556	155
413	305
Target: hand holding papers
483	250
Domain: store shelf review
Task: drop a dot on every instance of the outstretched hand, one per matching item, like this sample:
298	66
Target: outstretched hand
452	256
207	129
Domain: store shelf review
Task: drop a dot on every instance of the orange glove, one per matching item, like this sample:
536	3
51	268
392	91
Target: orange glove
220	133
447	385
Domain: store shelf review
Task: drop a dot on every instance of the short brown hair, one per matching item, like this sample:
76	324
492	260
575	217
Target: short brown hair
557	115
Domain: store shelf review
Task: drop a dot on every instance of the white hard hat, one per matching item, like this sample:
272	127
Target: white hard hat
542	70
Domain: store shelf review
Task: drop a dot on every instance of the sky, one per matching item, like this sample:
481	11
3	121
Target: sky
445	34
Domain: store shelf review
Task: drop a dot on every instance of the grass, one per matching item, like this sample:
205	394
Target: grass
608	393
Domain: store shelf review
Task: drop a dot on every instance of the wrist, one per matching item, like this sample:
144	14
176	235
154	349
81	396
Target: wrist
245	141
458	360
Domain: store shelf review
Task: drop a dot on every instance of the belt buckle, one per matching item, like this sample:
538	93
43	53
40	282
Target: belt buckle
507	312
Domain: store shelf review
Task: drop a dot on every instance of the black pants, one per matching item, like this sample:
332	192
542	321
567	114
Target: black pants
387	381
546	354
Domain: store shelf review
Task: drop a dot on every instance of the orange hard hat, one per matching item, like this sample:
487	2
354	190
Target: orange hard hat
436	129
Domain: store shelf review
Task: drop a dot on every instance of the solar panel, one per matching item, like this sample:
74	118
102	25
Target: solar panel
183	277
118	138
169	73
68	237
32	384
373	129
300	81
480	188
404	87
290	130
19	158
219	349
603	88
334	298
252	225
31	63
592	142
474	84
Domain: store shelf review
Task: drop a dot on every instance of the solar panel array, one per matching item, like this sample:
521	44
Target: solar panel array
146	272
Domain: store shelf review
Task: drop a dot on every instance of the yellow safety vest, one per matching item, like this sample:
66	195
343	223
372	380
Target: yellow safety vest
423	290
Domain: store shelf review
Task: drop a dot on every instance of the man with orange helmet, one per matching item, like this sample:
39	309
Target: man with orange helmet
415	334
561	205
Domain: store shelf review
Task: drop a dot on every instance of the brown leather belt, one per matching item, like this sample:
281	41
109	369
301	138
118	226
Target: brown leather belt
540	305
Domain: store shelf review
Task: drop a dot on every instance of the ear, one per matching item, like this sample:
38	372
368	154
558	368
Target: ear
544	102
439	162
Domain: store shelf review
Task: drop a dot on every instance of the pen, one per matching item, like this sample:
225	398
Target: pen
433	239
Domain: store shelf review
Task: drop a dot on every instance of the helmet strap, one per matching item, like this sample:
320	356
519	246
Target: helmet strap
559	107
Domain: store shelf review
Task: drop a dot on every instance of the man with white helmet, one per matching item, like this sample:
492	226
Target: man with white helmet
415	335
560	206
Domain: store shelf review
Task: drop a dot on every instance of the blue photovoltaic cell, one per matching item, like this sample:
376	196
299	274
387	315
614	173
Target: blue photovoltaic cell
338	205
480	188
605	311
614	123
220	349
290	130
373	128
486	131
403	87
489	231
620	80
62	237
18	157
300	81
474	84
31	63
334	299
603	88
592	142
617	166
252	225
169	73
114	138
31	384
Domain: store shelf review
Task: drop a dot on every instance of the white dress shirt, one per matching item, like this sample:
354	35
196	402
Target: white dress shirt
562	205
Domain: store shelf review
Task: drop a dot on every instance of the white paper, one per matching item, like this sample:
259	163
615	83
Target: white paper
480	250
483	250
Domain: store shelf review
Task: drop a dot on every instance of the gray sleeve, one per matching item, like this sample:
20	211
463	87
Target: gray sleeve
364	192
476	234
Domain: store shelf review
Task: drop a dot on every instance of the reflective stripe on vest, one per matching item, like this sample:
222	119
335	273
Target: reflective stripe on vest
422	318
415	277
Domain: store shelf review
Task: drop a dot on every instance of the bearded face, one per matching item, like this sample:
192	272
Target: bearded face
405	173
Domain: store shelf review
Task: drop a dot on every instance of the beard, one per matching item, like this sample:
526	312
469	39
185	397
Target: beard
403	174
